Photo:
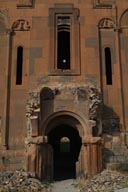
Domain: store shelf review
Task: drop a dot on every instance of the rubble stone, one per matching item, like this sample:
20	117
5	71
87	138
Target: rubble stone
106	181
21	181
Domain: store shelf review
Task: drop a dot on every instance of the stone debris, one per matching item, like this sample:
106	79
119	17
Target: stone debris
107	181
21	181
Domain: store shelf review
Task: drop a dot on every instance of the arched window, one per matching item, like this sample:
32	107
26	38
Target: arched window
65	145
108	66
19	65
63	43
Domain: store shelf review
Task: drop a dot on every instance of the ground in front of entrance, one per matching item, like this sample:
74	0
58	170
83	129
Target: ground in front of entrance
69	186
64	186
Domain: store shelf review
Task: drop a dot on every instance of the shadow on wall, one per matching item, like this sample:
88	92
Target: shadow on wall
110	135
110	121
46	102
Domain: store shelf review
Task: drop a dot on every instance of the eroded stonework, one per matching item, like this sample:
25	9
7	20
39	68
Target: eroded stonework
63	75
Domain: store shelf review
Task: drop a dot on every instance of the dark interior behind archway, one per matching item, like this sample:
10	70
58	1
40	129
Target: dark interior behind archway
64	162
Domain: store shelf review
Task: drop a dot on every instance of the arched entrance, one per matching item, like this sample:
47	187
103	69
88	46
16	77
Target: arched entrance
66	144
64	130
64	148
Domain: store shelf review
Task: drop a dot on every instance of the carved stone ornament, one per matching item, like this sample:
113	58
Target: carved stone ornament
21	25
25	3
106	23
63	21
103	4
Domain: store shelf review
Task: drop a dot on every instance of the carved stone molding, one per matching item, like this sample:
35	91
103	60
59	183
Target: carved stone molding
102	4
106	23
25	3
21	25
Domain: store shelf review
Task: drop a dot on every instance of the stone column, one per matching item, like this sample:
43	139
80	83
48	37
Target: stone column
40	158
44	162
31	158
5	118
120	82
93	155
81	164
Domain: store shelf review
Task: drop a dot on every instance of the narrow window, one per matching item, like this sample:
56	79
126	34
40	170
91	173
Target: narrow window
64	145
63	43
19	65
108	66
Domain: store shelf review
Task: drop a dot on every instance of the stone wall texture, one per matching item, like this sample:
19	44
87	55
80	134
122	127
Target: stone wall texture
38	94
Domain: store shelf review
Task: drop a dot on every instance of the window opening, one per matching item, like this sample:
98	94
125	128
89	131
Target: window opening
108	66
19	65
65	145
63	42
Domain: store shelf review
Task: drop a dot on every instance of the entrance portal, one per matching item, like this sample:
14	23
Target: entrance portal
66	144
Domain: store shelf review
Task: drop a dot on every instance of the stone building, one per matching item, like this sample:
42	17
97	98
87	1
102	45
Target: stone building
63	86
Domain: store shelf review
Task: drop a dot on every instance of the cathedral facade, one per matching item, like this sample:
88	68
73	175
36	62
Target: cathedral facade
63	86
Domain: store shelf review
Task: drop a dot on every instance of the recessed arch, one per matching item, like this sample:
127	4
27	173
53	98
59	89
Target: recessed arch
46	94
66	143
70	118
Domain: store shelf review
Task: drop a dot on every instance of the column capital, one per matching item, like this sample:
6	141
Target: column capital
9	32
91	140
117	29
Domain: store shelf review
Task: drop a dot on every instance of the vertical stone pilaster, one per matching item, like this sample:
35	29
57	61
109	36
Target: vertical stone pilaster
94	159
90	158
40	158
45	162
99	157
5	120
119	80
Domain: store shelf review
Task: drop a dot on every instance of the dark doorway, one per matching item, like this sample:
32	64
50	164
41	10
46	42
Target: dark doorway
66	144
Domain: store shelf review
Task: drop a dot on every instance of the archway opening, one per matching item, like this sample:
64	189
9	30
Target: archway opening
66	144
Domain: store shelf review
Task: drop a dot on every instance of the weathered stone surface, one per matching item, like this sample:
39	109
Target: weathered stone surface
53	95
